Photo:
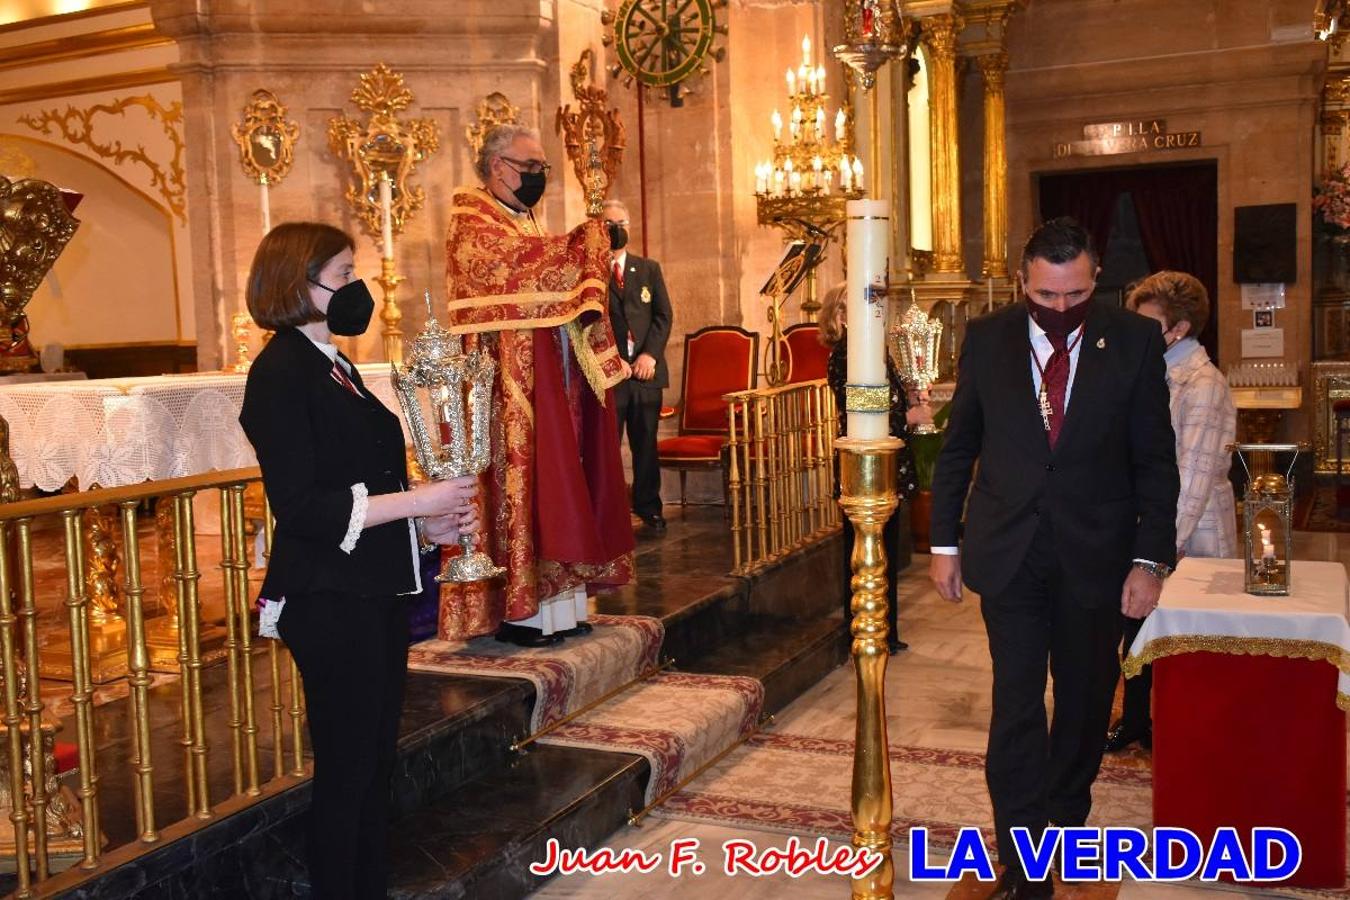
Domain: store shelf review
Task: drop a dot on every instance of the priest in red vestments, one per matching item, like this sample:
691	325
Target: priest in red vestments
556	513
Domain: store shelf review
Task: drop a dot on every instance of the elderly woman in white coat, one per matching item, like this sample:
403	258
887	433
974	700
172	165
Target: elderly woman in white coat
1205	422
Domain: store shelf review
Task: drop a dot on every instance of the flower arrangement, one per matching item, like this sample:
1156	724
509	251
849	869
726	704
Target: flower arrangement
1331	199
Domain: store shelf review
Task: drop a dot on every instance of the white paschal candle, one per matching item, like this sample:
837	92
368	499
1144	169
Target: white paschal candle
868	235
266	206
386	218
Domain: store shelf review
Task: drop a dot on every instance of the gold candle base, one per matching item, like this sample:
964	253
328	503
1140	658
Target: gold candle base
867	492
162	643
391	317
107	652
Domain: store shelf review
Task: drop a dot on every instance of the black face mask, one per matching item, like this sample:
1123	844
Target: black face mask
531	188
618	236
350	308
1055	322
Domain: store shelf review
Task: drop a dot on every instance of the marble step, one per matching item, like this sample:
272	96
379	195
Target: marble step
479	841
787	656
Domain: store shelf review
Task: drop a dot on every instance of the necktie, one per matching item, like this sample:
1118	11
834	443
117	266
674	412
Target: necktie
618	275
1055	383
340	376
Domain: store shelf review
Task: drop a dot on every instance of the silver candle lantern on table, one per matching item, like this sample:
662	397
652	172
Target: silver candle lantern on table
457	389
914	347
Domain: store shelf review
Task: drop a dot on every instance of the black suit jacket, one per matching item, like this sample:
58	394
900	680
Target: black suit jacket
314	440
1109	486
643	307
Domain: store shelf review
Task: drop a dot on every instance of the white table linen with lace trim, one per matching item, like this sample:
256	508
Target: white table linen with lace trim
1204	607
122	431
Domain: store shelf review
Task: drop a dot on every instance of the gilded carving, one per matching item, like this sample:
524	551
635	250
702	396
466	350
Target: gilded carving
383	145
35	226
493	110
266	139
940	34
77	127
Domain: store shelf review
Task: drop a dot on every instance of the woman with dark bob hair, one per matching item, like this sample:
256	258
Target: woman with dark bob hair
345	557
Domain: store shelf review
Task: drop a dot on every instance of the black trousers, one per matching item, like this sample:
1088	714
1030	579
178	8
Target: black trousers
353	658
639	411
1136	712
1038	776
893	537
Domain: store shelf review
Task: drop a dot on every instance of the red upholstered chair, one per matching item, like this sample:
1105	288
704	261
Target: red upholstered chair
806	357
718	360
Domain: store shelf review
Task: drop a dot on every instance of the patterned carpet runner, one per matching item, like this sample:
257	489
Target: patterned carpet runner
796	784
565	678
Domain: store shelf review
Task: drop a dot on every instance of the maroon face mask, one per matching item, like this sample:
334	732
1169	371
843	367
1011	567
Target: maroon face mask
1052	321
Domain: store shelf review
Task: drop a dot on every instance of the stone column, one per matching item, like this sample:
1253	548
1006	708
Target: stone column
940	37
899	174
993	67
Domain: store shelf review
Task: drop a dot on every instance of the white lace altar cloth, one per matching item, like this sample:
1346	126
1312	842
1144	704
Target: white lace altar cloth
120	431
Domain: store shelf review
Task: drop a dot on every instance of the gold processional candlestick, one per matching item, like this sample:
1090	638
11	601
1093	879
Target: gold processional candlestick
914	345
867	492
457	387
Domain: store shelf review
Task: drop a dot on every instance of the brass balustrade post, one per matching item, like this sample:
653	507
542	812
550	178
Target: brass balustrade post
77	605
868	496
232	656
28	615
734	481
18	806
138	661
761	478
190	610
234	528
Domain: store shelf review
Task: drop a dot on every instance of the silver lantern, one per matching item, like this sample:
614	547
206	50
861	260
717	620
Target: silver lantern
456	387
1267	520
914	347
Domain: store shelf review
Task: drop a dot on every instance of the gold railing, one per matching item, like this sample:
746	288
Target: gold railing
41	843
780	470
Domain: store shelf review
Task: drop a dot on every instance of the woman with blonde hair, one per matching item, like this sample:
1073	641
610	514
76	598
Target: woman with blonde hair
907	409
1205	422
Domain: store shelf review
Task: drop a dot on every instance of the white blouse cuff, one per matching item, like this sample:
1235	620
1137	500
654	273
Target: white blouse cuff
360	504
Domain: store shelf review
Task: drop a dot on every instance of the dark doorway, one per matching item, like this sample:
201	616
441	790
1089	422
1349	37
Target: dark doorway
1146	219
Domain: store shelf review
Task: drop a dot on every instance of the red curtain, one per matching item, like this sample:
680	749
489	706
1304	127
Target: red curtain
1177	209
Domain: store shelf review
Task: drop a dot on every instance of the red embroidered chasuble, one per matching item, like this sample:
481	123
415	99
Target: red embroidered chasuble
555	506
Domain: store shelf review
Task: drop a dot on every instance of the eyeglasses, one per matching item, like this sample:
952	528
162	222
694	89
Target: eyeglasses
527	166
620	222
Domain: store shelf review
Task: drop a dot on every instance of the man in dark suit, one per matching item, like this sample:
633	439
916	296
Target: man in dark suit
640	314
1063	402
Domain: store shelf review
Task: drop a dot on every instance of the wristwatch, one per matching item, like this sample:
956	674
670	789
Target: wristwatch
1157	570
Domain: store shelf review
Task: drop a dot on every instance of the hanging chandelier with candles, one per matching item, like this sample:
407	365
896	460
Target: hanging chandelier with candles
813	170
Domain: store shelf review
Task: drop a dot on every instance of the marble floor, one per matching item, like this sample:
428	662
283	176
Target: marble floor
938	695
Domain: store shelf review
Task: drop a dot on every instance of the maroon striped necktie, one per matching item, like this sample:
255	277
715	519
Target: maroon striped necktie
340	376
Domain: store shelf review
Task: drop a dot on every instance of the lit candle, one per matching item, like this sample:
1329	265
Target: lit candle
387	216
820	124
839	123
820	79
868	238
266	206
795	182
792	83
845	175
761	180
778	182
829	179
777	125
857	174
806	50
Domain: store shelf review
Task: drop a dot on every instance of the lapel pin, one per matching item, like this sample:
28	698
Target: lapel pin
1101	343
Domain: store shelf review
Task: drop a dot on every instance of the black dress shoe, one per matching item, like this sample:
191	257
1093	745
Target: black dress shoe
655	523
894	646
580	629
1014	885
524	636
1123	735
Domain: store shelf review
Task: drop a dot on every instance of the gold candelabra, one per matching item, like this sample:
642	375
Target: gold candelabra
593	135
812	174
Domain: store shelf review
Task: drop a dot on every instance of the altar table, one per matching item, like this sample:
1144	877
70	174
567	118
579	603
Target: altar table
1249	700
121	431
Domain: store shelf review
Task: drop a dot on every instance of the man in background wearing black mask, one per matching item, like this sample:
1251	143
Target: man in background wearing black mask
1063	403
640	314
555	511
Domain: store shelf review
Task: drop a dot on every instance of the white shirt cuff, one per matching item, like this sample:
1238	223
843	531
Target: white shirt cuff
945	551
360	504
